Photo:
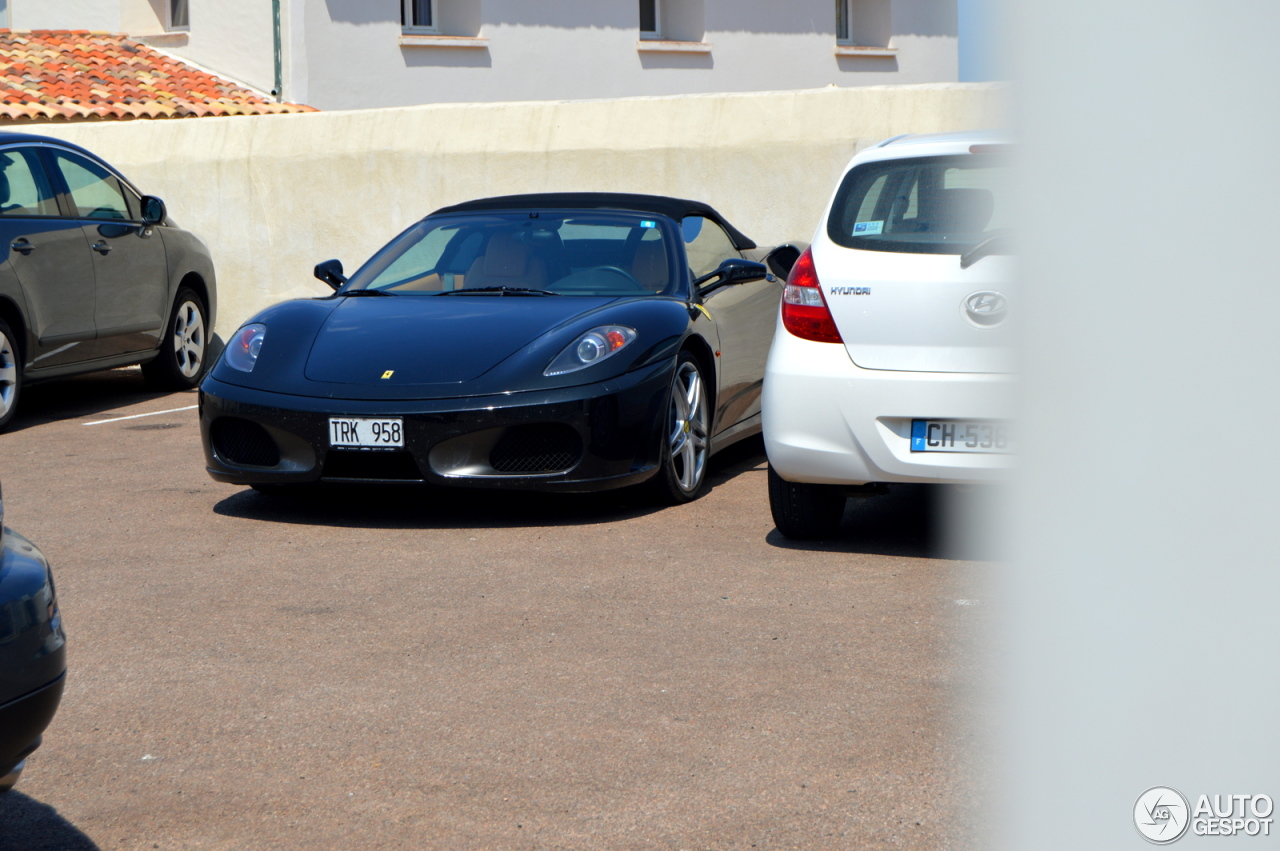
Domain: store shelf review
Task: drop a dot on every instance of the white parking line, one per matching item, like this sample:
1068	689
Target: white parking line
135	416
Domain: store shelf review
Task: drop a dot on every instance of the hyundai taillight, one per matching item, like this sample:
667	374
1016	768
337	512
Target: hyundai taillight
804	310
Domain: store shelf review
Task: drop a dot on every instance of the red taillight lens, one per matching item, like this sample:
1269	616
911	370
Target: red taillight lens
804	310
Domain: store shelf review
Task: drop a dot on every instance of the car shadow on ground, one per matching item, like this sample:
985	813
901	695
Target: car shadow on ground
94	394
911	521
28	825
426	507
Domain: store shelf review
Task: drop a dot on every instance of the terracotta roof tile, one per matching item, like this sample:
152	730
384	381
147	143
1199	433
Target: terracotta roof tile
75	75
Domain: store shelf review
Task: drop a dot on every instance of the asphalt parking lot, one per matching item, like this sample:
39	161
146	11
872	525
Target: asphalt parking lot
456	669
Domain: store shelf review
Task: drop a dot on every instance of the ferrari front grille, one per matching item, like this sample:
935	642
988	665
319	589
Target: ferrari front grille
371	465
243	443
541	448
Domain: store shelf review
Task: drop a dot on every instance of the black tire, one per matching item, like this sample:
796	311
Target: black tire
686	436
10	374
805	511
9	780
184	346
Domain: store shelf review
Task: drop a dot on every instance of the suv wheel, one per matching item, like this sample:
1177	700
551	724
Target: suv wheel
804	511
181	362
10	374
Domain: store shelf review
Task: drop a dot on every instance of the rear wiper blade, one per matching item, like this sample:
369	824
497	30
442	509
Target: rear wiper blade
353	293
990	245
498	290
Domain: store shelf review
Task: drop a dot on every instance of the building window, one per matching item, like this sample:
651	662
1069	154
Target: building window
419	16
650	19
844	32
179	19
864	23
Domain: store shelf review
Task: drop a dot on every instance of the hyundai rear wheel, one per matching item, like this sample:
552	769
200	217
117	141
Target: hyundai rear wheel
805	511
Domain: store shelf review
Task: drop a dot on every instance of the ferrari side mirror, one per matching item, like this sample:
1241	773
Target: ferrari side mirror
743	271
733	271
330	271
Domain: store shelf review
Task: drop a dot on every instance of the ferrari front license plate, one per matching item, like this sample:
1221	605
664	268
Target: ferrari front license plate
383	433
958	436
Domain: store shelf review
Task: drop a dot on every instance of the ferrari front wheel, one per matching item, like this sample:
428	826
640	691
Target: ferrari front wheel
686	440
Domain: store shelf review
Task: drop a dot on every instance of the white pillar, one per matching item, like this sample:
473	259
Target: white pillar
1139	624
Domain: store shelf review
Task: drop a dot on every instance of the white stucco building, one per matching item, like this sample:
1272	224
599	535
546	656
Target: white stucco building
345	54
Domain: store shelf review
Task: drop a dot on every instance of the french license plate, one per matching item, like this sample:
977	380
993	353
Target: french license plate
959	436
382	433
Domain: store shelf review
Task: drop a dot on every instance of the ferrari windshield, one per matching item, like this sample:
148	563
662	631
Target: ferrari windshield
931	205
557	252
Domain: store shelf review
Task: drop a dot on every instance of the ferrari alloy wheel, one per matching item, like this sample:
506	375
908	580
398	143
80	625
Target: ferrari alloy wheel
10	374
687	442
180	363
803	511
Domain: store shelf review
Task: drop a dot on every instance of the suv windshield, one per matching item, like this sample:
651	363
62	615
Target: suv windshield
932	205
555	252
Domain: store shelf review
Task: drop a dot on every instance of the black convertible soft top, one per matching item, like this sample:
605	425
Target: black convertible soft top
673	208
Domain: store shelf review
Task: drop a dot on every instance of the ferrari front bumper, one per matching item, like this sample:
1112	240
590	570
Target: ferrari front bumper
586	438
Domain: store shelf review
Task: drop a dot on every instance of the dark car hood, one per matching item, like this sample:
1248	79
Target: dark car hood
431	340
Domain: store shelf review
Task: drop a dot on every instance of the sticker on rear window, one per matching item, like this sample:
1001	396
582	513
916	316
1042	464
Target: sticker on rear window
868	228
648	224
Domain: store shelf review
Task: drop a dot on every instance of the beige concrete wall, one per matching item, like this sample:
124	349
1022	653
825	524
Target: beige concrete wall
272	196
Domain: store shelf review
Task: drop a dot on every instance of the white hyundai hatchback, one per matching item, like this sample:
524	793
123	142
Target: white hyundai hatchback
892	359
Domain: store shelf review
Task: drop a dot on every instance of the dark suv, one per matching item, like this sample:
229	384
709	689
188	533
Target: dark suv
95	274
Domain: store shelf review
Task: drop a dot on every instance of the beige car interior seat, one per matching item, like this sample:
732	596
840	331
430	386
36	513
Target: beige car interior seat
649	266
507	262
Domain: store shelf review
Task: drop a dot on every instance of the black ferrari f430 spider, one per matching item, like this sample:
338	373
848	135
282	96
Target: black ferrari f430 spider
571	342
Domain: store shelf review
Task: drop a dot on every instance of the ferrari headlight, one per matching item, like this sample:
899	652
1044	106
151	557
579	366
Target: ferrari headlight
242	350
591	348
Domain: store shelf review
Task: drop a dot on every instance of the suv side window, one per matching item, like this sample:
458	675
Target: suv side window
24	187
706	244
95	192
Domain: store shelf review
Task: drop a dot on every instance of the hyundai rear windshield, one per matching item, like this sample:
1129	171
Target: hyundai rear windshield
925	205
